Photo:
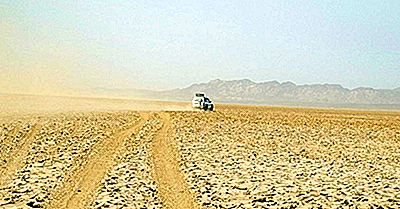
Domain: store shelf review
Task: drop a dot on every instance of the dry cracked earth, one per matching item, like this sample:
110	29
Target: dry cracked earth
235	157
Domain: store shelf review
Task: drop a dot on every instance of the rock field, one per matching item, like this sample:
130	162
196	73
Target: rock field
12	134
129	184
61	145
235	157
288	159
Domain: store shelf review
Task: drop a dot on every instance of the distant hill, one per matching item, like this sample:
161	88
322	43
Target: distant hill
276	93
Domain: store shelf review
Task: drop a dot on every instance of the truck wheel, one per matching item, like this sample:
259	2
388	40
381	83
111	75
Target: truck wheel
205	108
212	108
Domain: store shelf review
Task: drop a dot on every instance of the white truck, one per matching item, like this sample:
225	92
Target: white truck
200	101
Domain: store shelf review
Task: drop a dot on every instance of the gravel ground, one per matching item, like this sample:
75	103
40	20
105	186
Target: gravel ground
12	133
286	159
236	157
61	146
130	184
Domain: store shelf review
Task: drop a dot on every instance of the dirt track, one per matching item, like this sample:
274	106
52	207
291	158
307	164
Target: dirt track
236	157
79	189
13	160
171	182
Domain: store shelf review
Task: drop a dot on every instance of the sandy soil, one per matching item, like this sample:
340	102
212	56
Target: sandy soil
170	180
276	157
104	153
12	105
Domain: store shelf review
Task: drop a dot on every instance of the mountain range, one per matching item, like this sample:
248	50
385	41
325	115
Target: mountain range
275	93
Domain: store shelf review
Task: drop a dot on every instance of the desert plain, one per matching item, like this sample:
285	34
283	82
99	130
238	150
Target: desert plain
66	152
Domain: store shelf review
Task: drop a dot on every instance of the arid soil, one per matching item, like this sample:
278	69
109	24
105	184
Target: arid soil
167	156
263	157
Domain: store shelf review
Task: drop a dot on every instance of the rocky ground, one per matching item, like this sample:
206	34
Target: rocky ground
252	158
130	184
60	146
11	134
235	157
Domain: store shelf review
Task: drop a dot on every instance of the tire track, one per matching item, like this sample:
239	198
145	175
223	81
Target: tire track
18	155
80	188
130	183
171	183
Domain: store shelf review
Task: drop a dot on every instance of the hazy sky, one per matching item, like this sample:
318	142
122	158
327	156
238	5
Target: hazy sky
168	44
